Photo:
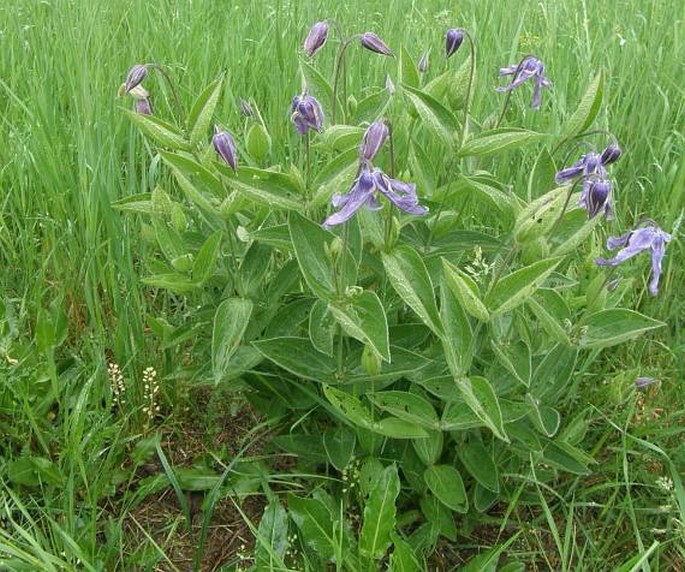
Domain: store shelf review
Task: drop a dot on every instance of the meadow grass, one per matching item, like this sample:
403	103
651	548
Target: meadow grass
71	300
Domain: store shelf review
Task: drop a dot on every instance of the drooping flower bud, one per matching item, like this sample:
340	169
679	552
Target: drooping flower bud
610	154
306	113
316	38
135	77
389	86
143	106
453	40
373	43
246	108
373	140
423	62
596	196
225	147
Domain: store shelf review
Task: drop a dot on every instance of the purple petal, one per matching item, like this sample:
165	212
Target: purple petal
616	241
135	76
373	140
373	43
353	200
316	38
569	172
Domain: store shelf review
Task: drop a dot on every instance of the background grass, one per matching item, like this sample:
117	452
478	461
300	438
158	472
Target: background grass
66	257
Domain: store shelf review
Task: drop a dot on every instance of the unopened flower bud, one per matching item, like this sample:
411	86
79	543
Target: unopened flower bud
306	113
423	62
610	154
389	86
135	77
373	140
246	108
453	40
316	38
373	43
225	147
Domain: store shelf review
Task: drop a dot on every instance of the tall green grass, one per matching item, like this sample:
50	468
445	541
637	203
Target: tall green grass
68	153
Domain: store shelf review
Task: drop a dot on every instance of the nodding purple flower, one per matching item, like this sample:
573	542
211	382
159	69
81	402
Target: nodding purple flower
225	147
370	182
642	382
316	38
135	77
143	106
453	40
596	196
423	62
373	140
373	43
246	108
530	67
589	164
306	113
610	154
649	237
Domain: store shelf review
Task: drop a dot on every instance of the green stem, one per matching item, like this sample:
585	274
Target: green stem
391	172
469	87
339	66
174	93
307	169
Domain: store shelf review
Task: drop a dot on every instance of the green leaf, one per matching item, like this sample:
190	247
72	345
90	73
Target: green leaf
458	335
138	203
407	406
272	537
410	279
516	359
445	482
549	322
578	235
339	442
177	283
409	73
299	357
309	241
362	316
203	268
159	131
398	428
33	471
479	463
440	120
371	107
315	523
610	327
277	236
430	448
483	192
402	558
566	457
339	138
278	191
554	373
588	108
202	111
379	515
546	419
498	140
349	406
536	219
515	288
322	327
465	290
230	321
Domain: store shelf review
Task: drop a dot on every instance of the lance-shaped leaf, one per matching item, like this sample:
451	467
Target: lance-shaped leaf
445	482
379	515
230	321
204	264
610	327
440	120
362	316
272	537
315	523
517	287
159	131
407	406
588	108
498	140
465	290
309	241
202	111
297	356
278	191
410	279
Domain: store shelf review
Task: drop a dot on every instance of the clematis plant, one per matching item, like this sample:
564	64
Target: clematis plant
306	113
649	237
316	38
